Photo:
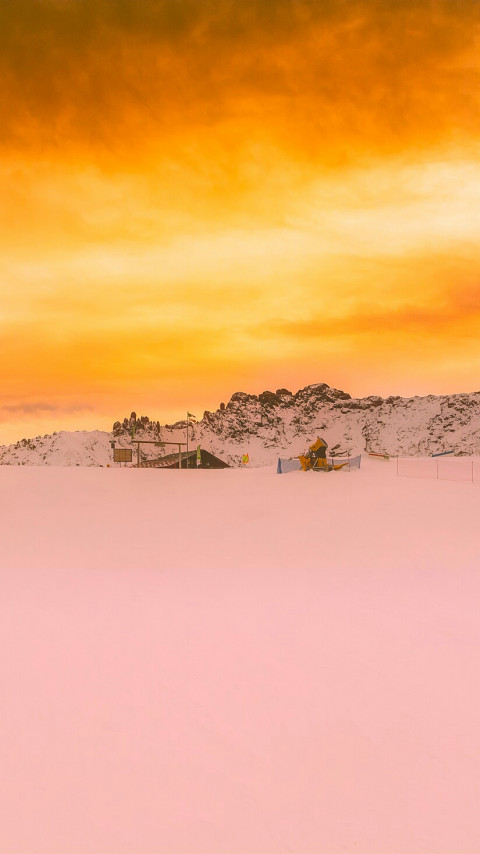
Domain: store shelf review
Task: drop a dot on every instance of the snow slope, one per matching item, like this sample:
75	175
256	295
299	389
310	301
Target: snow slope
127	517
65	448
238	662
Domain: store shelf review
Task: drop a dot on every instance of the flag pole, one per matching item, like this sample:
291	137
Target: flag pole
189	416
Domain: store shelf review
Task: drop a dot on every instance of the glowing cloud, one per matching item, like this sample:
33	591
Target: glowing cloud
200	196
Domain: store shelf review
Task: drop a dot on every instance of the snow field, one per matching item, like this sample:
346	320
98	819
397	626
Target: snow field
238	662
123	517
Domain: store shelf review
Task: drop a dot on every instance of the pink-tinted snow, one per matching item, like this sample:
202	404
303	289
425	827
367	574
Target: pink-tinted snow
238	662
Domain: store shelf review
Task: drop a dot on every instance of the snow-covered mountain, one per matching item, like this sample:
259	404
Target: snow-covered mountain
276	424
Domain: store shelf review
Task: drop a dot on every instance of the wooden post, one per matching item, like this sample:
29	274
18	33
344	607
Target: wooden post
138	454
179	456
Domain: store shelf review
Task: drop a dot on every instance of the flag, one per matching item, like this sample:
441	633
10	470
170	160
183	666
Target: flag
245	459
189	415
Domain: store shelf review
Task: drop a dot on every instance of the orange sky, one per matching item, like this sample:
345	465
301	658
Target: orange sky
206	196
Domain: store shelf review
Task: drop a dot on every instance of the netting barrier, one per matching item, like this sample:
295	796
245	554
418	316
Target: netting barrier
412	467
347	462
457	468
285	466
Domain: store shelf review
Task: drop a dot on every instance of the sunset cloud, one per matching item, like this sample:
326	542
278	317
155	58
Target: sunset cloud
108	79
199	196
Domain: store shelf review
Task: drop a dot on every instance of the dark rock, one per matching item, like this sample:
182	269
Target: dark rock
241	397
268	398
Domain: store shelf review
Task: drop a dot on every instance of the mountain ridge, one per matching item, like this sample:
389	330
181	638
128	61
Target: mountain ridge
280	423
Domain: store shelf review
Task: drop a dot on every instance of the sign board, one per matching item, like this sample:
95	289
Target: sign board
122	455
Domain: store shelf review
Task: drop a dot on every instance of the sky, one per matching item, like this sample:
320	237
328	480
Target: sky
206	197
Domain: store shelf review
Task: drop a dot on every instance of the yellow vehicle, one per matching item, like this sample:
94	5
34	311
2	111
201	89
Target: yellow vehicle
316	458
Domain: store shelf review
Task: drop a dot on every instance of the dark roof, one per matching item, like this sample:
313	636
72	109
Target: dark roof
167	460
208	460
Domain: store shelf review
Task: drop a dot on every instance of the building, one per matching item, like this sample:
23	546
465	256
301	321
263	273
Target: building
170	461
